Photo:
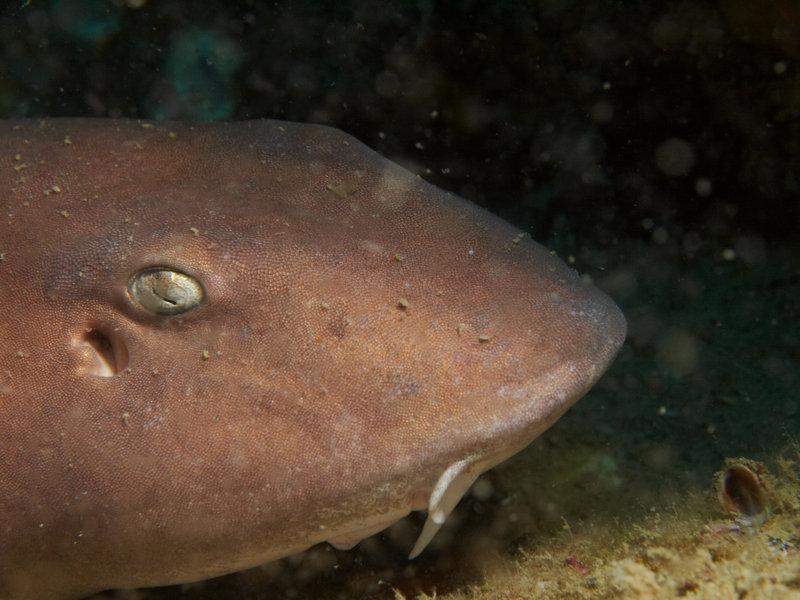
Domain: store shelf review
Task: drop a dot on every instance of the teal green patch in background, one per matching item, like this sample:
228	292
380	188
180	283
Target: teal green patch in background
200	71
89	21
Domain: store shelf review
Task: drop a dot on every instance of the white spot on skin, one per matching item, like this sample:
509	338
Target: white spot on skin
372	247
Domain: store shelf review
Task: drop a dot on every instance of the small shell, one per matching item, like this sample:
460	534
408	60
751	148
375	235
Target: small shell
742	489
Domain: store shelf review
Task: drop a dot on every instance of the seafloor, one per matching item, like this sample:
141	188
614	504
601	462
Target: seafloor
655	145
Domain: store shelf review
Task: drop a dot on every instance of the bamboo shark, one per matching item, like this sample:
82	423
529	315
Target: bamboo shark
222	343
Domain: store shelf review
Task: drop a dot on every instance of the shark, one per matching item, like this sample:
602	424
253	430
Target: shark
223	343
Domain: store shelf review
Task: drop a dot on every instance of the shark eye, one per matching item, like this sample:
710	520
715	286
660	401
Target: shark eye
165	291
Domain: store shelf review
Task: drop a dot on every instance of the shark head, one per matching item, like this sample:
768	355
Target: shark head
224	343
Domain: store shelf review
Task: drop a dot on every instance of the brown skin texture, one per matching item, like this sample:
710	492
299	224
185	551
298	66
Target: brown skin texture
333	371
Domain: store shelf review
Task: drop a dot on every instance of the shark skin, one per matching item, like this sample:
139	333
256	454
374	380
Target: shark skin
222	343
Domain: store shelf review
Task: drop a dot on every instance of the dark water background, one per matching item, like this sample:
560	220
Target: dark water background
657	144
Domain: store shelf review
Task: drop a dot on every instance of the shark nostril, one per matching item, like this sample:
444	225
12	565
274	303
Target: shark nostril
103	354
